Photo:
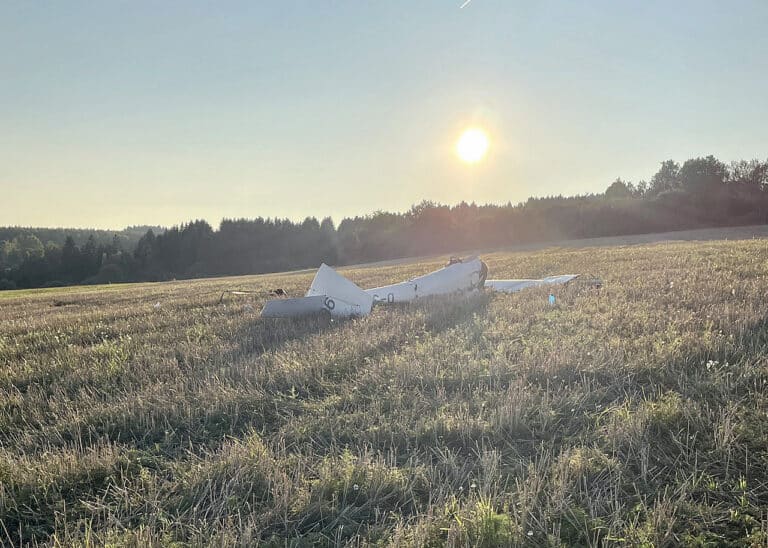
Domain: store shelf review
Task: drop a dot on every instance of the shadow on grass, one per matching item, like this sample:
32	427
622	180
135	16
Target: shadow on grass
177	426
168	424
266	334
580	401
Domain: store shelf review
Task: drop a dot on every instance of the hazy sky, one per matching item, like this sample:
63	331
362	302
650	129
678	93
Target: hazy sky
116	113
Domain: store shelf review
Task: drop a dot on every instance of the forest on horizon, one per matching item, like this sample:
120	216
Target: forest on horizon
702	192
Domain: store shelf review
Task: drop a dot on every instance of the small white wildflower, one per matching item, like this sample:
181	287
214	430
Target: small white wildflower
355	487
530	533
473	485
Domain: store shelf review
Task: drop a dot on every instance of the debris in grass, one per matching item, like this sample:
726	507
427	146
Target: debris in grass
333	294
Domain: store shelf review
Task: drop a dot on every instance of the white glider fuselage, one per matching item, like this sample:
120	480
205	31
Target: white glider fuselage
454	278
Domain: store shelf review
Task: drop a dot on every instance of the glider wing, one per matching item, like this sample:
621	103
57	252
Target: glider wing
513	286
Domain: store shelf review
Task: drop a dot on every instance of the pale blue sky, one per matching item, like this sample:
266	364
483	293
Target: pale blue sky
117	113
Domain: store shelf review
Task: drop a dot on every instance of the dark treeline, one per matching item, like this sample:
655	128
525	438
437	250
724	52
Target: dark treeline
128	237
22	248
702	192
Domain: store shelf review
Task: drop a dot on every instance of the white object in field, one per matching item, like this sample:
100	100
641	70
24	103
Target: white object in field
454	278
333	293
330	291
512	286
343	292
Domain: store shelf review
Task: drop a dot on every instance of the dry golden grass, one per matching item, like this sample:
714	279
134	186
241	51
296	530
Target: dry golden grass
633	416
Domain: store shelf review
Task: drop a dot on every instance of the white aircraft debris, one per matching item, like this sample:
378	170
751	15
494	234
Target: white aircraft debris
332	293
456	277
513	286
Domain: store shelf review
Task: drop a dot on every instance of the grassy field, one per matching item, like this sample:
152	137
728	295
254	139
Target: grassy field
153	414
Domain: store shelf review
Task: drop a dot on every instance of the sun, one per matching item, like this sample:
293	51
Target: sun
472	145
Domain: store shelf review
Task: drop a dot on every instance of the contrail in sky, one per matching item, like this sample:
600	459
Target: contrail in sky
464	5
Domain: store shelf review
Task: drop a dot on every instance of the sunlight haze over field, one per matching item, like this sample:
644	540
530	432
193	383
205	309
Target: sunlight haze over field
137	112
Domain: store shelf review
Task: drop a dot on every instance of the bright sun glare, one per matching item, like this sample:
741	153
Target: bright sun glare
472	145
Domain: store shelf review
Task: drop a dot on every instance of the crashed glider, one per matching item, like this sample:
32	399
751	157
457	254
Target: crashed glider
332	293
